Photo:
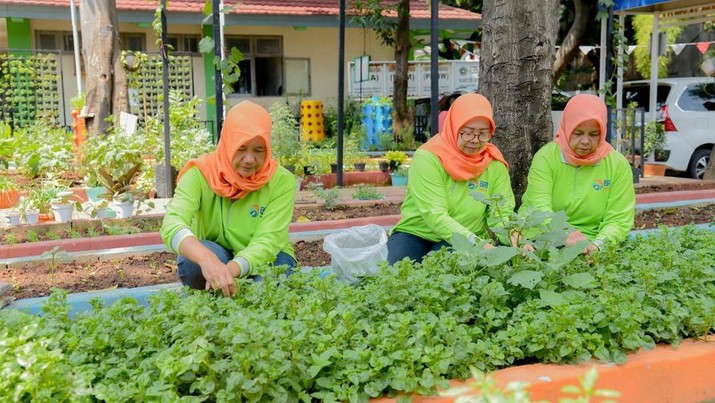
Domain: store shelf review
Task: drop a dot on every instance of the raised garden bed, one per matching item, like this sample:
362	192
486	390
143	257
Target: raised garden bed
409	330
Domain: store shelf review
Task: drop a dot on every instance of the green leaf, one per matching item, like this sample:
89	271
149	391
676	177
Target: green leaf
500	255
551	298
571	389
526	278
569	253
461	243
207	45
580	280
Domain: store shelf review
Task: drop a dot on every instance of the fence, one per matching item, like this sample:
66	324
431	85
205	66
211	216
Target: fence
35	83
629	127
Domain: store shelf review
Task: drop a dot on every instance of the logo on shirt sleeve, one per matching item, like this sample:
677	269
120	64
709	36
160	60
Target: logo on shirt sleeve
599	184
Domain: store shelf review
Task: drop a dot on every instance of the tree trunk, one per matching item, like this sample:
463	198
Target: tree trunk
583	14
105	80
709	174
402	120
516	75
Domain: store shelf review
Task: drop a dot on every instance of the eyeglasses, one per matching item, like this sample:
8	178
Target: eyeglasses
468	135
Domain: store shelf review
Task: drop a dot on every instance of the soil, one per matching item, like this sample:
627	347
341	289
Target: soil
36	279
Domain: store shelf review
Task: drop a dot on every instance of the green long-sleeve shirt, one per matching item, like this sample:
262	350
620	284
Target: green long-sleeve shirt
436	206
255	227
599	200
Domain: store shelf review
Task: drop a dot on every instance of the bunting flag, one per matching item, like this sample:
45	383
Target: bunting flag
586	49
677	47
630	49
703	47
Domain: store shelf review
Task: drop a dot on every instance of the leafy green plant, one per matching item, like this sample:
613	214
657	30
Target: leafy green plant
654	142
32	235
330	197
115	162
52	155
189	138
396	158
366	192
55	255
10	239
285	135
410	329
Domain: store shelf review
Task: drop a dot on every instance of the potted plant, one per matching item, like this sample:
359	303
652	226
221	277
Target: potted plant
395	159
115	162
13	217
9	193
399	176
653	146
99	209
62	205
28	209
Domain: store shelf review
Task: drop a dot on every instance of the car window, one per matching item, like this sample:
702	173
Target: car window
698	98
639	96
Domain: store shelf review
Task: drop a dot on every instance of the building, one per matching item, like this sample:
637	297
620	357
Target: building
289	47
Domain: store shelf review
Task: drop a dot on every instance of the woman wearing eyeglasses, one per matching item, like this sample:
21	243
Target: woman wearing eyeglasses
443	173
582	175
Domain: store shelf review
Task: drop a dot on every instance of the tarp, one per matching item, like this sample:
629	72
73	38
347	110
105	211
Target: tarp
621	5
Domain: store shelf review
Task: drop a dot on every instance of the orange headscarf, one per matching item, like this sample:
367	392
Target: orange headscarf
461	166
243	123
579	109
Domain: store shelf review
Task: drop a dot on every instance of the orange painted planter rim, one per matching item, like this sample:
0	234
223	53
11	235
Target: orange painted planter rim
666	373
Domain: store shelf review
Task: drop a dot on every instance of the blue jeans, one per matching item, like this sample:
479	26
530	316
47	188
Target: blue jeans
401	245
190	272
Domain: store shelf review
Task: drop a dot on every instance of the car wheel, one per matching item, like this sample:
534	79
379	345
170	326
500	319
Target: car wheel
698	163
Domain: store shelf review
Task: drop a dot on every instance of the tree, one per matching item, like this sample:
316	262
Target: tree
579	25
516	75
106	81
373	14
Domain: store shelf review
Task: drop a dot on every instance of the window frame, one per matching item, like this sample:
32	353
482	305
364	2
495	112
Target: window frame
251	58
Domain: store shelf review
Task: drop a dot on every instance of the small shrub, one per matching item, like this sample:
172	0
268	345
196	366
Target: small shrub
32	235
366	192
329	196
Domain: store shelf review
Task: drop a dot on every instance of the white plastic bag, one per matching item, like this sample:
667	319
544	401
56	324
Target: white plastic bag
355	252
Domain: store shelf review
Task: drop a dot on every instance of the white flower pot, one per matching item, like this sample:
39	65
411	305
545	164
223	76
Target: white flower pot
102	213
13	218
63	212
124	209
32	217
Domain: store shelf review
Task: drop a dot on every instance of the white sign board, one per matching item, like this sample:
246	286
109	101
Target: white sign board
454	75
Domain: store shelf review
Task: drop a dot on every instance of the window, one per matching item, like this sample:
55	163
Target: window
297	76
640	95
47	41
698	98
184	43
262	67
68	41
56	41
133	42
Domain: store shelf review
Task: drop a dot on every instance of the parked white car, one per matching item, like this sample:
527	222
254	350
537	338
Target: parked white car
686	107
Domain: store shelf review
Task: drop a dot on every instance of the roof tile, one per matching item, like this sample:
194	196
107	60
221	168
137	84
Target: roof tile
418	8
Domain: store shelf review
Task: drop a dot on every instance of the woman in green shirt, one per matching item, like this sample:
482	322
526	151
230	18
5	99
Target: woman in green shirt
232	207
442	175
580	174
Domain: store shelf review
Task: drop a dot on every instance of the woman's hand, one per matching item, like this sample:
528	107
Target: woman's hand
576	237
514	239
218	276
